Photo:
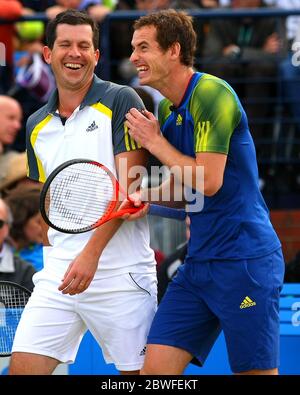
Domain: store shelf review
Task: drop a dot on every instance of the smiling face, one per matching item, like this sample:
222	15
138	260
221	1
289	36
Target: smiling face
151	62
73	57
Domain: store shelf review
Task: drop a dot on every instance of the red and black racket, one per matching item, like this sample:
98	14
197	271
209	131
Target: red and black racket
81	195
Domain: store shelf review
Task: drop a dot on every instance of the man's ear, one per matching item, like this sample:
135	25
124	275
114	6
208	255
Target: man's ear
175	50
47	54
97	56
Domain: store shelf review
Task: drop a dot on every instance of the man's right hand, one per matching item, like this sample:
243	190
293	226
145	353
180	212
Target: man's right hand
136	198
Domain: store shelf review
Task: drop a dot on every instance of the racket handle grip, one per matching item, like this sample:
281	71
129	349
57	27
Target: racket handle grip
167	212
129	210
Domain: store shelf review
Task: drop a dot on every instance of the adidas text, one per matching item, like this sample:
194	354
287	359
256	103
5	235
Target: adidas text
247	302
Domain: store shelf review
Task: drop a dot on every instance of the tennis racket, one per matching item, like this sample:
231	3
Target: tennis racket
13	298
81	195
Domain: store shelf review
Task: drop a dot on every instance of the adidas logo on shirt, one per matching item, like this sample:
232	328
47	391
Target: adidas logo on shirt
179	120
92	127
247	302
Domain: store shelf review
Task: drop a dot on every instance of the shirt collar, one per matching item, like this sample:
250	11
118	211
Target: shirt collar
91	97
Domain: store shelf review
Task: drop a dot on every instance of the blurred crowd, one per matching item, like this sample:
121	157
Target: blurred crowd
254	54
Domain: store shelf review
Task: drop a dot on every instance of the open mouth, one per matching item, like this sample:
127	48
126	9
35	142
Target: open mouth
141	69
73	66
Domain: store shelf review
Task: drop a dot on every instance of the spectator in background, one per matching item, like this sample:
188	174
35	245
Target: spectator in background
290	69
246	48
26	230
95	8
290	133
190	4
37	5
9	10
12	268
292	21
33	78
151	5
12	171
201	26
32	73
10	121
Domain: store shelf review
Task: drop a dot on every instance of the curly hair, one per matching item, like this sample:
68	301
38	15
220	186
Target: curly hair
171	27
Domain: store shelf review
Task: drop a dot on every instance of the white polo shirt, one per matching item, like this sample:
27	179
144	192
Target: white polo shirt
94	131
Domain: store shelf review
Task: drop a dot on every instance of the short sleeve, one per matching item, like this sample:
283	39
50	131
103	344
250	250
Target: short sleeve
216	113
125	99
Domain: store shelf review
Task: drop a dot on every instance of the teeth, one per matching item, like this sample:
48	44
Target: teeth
141	68
73	65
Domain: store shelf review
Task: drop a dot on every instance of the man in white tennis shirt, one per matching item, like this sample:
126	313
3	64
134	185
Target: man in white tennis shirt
104	280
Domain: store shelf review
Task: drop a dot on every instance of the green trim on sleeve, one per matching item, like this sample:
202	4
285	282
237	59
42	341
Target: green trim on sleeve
216	113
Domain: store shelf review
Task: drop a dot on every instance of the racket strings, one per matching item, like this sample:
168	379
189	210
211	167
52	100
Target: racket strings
12	303
79	196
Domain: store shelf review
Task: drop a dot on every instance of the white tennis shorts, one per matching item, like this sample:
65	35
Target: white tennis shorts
117	310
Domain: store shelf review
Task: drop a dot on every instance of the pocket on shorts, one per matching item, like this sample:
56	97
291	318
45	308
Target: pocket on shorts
259	271
143	282
251	274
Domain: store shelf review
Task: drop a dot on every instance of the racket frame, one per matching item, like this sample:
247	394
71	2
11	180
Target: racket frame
13	285
109	213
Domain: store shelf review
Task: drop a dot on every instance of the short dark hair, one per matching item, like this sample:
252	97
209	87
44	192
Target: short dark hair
171	27
71	17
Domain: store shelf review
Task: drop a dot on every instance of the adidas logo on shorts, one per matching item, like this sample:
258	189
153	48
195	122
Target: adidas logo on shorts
247	302
143	352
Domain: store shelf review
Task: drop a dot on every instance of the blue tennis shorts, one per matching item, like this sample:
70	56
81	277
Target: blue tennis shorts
239	297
